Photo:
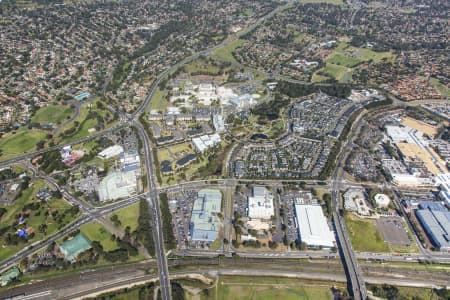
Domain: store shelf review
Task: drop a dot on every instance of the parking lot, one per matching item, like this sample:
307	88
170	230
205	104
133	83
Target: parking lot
394	232
180	204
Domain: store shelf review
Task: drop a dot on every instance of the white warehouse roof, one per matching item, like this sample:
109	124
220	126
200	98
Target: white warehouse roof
399	133
313	227
111	151
260	206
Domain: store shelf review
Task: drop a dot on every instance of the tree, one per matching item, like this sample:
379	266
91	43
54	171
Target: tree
115	219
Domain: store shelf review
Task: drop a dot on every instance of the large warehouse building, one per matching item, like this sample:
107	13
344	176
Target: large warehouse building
204	225
313	227
436	224
260	206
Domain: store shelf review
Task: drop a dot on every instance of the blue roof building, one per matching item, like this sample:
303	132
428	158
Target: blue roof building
432	205
204	225
436	224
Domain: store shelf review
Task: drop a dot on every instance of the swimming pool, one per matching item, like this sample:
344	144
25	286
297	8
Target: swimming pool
82	96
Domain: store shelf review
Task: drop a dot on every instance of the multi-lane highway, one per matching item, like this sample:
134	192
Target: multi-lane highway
354	277
155	212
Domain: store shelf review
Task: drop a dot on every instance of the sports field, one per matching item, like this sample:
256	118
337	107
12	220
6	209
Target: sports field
347	54
85	123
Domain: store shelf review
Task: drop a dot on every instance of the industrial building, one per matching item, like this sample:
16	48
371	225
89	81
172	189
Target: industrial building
111	152
131	162
436	224
73	247
123	183
203	143
313	227
443	181
204	225
400	133
260	205
117	185
401	175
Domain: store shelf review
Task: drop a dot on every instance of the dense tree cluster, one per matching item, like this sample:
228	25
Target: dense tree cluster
51	161
296	90
144	229
169	238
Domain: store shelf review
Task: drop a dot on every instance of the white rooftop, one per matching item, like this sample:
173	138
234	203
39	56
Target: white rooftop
260	206
111	151
205	142
313	227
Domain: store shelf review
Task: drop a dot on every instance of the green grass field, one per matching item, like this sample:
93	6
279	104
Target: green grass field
413	293
180	147
248	12
84	129
84	111
340	63
364	235
266	288
337	72
22	141
226	52
357	54
163	154
35	218
440	87
318	78
410	265
97	232
128	216
201	66
342	60
187	173
52	114
85	124
159	101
